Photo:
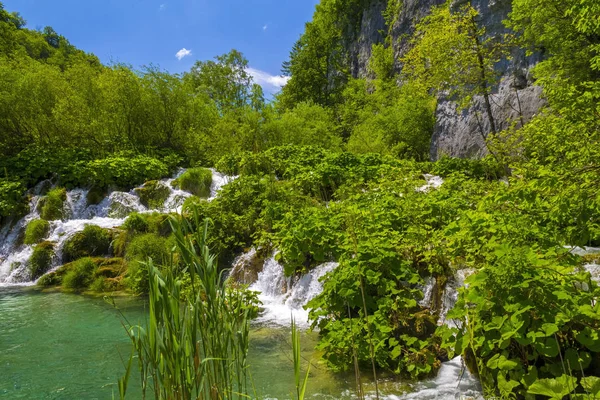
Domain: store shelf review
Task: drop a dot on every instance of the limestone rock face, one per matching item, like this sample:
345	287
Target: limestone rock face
515	99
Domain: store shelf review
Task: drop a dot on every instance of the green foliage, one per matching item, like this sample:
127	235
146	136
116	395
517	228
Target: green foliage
51	205
41	259
92	241
123	171
205	341
142	248
153	194
196	181
11	198
528	318
36	231
80	275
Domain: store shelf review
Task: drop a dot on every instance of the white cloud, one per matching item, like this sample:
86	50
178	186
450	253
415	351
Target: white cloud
162	7
265	27
271	83
183	53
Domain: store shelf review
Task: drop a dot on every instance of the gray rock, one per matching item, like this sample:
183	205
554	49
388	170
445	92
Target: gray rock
515	99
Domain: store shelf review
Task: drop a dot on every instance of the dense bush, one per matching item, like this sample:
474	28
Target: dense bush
11	198
196	181
52	205
41	259
93	241
36	231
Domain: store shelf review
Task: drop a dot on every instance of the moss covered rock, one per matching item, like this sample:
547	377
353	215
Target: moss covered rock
197	181
41	259
51	205
95	195
93	241
153	194
110	270
36	231
139	251
80	275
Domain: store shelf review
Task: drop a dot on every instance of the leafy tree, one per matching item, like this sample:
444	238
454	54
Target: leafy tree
451	54
226	81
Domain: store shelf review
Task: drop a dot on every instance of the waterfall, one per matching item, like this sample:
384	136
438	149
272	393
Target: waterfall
111	212
282	298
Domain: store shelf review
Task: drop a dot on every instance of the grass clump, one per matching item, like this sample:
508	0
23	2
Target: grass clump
92	241
41	259
211	326
36	231
196	181
80	275
51	205
153	194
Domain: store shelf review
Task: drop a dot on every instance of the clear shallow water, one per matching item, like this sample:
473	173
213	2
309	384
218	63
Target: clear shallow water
63	346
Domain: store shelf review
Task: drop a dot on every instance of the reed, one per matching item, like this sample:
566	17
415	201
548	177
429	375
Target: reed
192	347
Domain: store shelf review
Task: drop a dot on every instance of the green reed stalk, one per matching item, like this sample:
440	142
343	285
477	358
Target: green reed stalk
195	347
301	384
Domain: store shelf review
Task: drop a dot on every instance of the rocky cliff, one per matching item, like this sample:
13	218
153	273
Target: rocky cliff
515	99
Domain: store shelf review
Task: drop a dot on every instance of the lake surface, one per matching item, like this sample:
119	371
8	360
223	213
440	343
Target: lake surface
66	346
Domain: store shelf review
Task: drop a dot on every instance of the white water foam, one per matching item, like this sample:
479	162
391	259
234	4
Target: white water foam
283	299
111	212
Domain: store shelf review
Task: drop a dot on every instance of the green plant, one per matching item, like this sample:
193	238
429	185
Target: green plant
196	181
138	251
153	194
41	259
528	324
36	231
11	198
301	383
80	274
51	205
92	241
198	350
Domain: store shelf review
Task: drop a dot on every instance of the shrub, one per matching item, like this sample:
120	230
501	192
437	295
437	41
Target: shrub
41	259
51	205
11	198
36	231
136	223
196	181
80	275
92	241
139	251
153	194
123	171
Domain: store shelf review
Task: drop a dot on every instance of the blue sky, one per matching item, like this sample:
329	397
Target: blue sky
140	32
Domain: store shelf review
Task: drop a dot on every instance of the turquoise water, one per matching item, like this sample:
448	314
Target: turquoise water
64	346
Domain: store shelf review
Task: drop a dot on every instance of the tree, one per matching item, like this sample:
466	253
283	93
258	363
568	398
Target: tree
226	81
452	55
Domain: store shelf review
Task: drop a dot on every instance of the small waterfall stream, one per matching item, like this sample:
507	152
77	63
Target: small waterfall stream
111	212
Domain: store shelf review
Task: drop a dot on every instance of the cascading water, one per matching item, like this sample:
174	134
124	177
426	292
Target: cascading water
111	212
283	299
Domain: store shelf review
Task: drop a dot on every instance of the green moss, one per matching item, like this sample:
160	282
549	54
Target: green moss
196	181
41	259
51	279
80	275
95	195
92	241
139	251
136	223
36	231
153	194
51	205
